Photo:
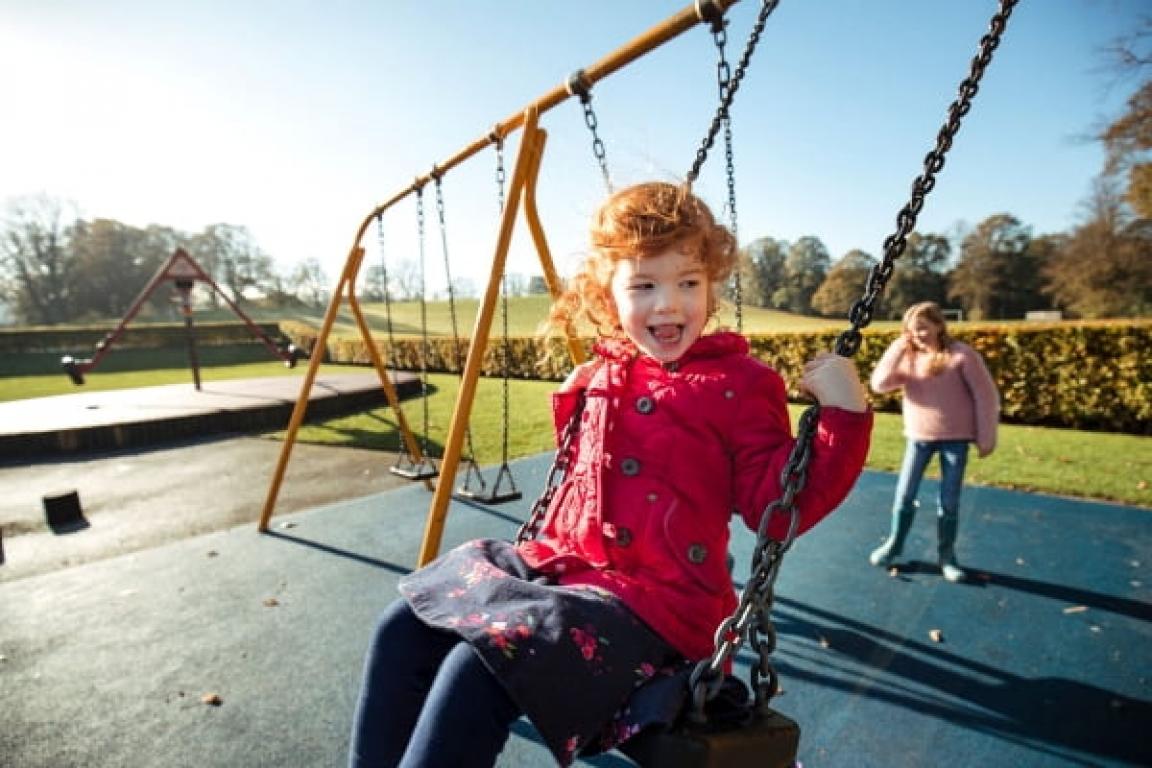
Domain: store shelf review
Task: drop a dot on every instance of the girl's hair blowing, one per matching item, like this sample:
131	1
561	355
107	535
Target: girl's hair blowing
635	223
930	312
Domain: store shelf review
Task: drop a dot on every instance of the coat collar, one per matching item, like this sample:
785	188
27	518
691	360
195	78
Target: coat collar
718	344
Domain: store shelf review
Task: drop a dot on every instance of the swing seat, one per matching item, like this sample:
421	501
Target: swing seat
489	497
494	496
768	740
425	470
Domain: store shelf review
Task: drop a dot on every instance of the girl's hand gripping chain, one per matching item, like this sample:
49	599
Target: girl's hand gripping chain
834	382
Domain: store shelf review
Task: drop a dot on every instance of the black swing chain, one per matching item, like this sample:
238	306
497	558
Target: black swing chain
727	83
457	352
556	473
506	344
578	85
862	310
733	81
751	619
424	346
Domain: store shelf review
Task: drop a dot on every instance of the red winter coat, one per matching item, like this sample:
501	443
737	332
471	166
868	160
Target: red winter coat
666	455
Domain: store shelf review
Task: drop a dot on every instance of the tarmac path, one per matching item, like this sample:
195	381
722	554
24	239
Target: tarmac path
138	499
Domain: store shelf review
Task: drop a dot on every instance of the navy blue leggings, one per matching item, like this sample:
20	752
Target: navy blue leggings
427	700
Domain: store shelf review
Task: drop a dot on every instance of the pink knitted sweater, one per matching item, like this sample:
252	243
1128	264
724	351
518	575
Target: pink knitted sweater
960	402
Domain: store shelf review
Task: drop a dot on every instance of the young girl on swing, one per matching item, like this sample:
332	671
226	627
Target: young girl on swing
676	430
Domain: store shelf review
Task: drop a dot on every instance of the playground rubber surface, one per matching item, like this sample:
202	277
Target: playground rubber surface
239	648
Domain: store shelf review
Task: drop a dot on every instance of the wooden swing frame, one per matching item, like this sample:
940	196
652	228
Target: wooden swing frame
522	191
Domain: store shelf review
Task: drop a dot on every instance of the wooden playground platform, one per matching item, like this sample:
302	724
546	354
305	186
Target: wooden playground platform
88	421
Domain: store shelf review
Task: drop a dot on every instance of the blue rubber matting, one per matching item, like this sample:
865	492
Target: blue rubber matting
1042	659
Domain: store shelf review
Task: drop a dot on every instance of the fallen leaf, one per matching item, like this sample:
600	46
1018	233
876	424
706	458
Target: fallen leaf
936	635
1142	485
1076	609
288	525
271	602
211	699
212	553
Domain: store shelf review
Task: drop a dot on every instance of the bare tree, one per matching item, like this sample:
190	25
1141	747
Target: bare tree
310	283
35	259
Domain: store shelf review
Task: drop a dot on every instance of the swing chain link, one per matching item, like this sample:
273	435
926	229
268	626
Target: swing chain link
556	473
757	597
501	175
578	85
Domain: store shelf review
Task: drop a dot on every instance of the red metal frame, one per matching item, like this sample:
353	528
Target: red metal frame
180	268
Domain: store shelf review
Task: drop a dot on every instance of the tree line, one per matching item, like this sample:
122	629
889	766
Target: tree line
997	270
56	271
58	268
55	268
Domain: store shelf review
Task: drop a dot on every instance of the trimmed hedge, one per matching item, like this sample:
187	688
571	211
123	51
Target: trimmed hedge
82	339
1089	375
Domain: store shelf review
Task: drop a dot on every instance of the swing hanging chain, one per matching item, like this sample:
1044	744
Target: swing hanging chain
578	85
723	84
756	599
457	353
424	441
506	346
732	81
862	310
387	290
556	473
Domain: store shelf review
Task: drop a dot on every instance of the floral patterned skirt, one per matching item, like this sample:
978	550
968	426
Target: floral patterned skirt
571	657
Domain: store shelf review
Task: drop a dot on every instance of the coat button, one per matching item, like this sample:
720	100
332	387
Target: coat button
697	553
623	537
630	467
645	405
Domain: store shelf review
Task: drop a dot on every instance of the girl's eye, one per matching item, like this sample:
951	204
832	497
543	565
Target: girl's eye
692	283
640	287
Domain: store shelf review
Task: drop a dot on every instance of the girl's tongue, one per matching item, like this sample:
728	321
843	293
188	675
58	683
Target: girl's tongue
667	334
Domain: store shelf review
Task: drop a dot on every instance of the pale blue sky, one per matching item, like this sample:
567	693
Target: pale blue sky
297	118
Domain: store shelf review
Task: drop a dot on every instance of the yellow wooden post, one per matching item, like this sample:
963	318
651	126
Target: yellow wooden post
551	277
348	276
410	443
531	144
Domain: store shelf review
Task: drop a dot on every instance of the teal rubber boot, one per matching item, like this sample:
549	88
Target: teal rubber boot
884	555
946	530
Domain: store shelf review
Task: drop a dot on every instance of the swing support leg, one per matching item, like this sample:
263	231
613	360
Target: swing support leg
422	467
347	282
527	163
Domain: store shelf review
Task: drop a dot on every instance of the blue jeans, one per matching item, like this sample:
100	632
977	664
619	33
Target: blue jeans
427	700
953	460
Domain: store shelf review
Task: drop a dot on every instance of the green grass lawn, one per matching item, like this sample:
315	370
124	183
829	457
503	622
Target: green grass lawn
1056	461
1059	461
524	316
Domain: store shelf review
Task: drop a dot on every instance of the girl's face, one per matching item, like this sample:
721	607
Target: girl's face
923	334
662	302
